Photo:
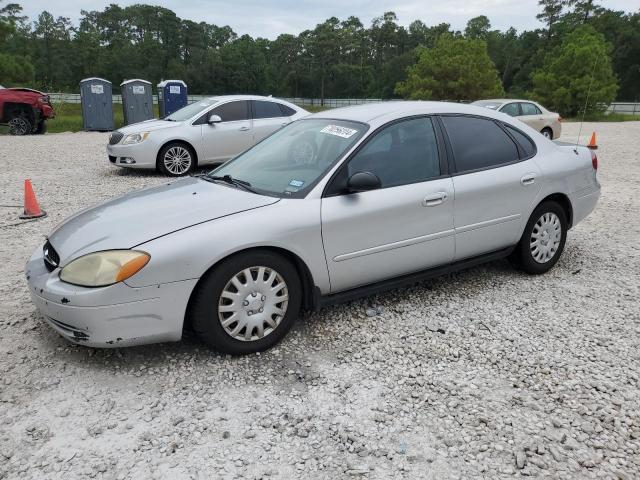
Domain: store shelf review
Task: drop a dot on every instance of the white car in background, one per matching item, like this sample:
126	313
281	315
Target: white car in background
531	113
210	131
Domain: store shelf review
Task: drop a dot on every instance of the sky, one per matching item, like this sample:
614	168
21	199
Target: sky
269	18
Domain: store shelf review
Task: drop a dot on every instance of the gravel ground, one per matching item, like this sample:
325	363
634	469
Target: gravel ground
488	373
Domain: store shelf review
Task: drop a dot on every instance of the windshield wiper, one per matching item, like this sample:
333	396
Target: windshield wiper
232	181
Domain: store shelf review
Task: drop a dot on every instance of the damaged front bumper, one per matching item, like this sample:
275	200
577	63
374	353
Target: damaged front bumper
113	316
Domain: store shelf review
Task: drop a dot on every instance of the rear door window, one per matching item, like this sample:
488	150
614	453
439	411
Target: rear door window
263	109
233	111
478	143
530	109
511	109
287	111
528	147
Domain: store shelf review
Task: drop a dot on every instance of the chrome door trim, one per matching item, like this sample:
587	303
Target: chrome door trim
488	223
394	245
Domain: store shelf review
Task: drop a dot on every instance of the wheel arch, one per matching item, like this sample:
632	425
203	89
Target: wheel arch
181	141
563	201
309	289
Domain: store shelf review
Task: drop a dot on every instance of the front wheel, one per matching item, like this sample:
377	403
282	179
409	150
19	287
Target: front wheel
246	304
543	239
176	159
547	132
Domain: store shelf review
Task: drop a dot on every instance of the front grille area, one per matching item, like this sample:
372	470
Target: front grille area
115	137
51	257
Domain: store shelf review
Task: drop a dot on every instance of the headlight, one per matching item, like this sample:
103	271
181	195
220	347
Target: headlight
135	138
104	268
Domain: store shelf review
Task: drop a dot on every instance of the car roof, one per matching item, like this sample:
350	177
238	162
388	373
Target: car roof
223	98
505	100
380	113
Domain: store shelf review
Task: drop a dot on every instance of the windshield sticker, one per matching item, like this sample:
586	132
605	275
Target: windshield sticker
296	183
338	131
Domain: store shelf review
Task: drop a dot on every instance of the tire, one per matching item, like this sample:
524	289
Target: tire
214	302
547	132
548	223
176	159
41	128
20	126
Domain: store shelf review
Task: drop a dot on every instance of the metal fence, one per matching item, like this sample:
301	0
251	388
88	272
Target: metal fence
327	102
628	108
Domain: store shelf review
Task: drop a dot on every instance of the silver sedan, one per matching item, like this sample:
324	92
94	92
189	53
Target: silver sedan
334	206
533	114
207	132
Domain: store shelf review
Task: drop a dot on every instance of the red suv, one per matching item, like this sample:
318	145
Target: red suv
24	110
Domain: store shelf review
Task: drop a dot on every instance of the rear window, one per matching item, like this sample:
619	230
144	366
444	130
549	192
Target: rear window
478	143
266	109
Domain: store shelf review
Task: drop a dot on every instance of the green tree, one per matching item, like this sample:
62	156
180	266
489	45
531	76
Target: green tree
478	27
456	68
577	74
14	69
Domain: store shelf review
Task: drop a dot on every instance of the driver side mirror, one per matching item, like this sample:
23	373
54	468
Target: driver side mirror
213	118
363	182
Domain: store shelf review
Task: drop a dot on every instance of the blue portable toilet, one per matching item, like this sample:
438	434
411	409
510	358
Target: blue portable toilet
172	96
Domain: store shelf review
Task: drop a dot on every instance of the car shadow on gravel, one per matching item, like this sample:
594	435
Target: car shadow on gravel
148	173
471	283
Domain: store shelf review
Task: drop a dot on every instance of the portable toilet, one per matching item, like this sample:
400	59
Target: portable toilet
137	101
172	96
97	104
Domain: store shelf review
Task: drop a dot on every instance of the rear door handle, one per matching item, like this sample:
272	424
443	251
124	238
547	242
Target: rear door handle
528	179
244	129
434	199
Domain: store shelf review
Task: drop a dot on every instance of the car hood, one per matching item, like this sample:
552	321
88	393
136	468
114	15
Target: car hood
148	126
142	215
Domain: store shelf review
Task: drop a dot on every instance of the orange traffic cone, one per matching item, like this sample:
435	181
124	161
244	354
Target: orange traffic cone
31	207
592	143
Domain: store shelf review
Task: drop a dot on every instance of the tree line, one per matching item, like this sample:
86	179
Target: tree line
583	47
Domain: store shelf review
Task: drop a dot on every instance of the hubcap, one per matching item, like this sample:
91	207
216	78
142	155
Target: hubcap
545	237
177	160
18	126
546	134
253	303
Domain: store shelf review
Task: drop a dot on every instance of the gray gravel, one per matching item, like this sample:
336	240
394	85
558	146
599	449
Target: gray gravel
483	374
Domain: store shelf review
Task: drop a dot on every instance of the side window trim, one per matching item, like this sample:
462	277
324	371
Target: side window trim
455	172
442	155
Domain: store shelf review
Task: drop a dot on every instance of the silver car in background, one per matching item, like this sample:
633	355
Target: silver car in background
532	113
331	207
207	132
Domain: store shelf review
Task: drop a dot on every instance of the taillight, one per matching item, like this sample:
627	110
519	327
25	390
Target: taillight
559	118
594	160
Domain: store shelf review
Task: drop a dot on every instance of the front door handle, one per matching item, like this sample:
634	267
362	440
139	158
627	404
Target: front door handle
434	199
244	129
528	179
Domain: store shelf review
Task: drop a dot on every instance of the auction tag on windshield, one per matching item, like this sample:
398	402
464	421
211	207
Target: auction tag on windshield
296	183
99	89
338	131
138	89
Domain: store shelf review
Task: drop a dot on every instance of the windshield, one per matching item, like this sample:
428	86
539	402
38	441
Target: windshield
487	104
292	160
185	113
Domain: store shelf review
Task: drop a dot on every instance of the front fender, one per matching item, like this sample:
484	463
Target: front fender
290	224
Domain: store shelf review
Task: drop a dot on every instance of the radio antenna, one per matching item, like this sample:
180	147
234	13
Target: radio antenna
586	102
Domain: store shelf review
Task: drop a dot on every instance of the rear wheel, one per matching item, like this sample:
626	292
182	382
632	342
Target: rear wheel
247	303
19	126
543	239
176	159
547	132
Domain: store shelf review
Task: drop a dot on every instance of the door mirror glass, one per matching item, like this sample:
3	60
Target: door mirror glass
213	118
363	182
